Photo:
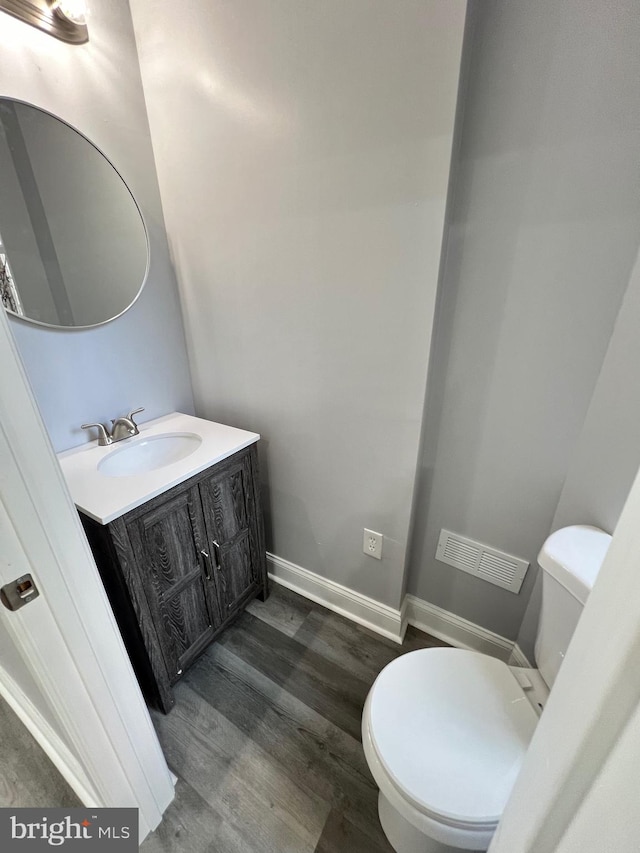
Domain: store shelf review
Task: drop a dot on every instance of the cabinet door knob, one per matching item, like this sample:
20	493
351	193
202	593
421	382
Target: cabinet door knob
216	553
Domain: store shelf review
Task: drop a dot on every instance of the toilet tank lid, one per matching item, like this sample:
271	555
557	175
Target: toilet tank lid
573	556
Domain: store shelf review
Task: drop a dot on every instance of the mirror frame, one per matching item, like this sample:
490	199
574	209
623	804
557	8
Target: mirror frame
23	318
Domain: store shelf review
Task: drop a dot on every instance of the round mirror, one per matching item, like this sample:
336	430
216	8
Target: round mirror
73	245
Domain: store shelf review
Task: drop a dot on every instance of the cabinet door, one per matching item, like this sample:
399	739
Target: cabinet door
168	541
230	515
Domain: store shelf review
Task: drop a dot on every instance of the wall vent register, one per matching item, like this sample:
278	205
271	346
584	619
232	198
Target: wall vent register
480	560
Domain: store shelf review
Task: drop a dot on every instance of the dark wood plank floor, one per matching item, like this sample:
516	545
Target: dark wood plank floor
265	736
27	775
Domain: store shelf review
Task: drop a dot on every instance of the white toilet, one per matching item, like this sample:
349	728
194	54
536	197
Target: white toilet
445	730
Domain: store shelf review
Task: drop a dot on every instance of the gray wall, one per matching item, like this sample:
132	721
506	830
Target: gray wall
305	208
140	358
606	457
543	233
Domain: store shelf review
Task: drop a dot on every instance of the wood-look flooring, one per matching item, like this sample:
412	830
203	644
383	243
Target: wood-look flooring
27	775
265	736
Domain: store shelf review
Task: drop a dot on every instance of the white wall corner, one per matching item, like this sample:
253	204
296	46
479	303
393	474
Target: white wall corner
518	658
341	599
455	630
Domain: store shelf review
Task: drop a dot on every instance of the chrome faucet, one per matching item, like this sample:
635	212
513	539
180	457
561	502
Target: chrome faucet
123	427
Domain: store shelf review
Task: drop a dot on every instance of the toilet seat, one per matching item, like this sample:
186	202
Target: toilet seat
449	729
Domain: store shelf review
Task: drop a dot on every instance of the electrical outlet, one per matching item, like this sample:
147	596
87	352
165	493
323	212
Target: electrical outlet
372	544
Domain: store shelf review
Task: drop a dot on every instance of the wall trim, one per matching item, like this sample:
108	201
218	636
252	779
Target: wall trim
518	658
453	629
341	599
52	744
386	620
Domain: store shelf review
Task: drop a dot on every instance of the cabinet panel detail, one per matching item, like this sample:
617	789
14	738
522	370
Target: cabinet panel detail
228	504
167	542
236	574
225	498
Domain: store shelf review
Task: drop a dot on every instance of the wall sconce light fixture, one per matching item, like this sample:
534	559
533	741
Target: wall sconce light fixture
64	19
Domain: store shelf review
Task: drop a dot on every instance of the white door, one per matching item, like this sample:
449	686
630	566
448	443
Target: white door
63	666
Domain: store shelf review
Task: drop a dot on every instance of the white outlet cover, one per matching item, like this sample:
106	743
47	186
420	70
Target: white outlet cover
372	543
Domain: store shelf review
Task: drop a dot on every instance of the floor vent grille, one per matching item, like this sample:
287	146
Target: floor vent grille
477	559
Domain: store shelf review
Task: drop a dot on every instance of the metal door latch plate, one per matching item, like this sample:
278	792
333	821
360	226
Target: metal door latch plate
19	592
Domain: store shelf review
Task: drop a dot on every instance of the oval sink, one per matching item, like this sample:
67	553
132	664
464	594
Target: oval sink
148	454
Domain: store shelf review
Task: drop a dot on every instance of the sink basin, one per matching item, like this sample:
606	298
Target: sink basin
108	482
148	454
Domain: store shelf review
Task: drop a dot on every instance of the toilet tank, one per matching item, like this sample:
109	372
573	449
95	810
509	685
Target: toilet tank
570	560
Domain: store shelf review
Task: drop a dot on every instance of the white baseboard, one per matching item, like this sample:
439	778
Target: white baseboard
52	744
385	620
347	602
455	630
518	658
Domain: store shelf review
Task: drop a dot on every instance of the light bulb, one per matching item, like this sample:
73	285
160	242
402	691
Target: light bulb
73	11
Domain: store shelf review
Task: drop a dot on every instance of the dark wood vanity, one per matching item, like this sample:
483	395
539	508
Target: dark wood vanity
182	566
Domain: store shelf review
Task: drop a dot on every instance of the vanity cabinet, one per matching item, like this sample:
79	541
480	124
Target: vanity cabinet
180	567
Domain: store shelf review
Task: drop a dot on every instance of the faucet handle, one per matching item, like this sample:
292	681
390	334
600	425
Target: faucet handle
104	437
130	418
135	412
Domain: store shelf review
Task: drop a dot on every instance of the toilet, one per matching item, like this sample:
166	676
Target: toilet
445	730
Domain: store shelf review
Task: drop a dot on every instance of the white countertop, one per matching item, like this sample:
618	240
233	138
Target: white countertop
104	498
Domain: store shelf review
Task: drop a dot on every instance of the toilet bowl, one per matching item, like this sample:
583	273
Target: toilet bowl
444	733
445	730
